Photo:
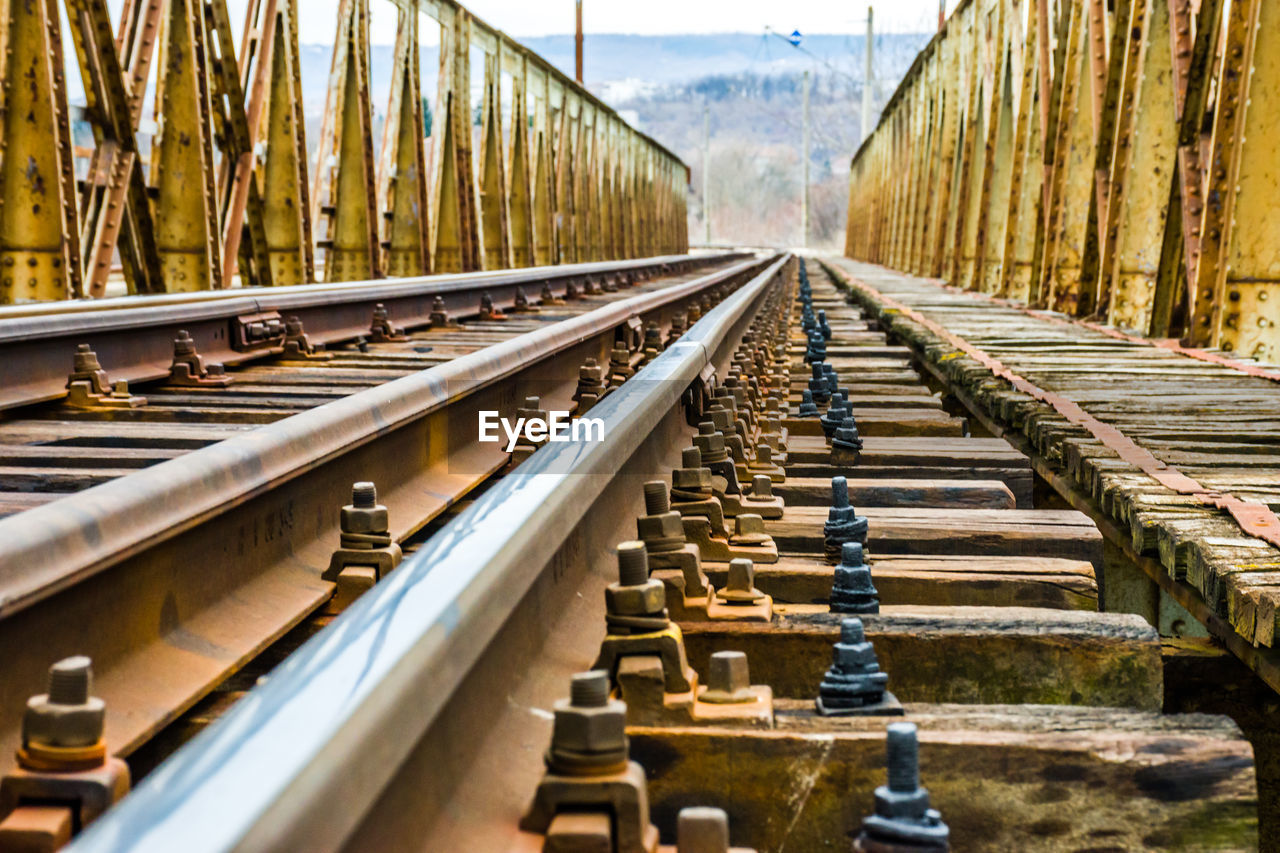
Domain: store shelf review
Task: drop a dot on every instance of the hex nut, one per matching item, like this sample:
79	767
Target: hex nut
692	479
643	600
364	520
665	526
598	731
52	724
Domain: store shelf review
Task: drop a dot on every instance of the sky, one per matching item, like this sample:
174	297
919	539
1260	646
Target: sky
650	17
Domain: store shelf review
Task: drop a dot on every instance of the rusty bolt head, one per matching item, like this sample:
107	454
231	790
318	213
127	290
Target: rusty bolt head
728	680
667	525
641	600
702	829
86	360
691	479
184	344
66	716
740	587
762	485
722	418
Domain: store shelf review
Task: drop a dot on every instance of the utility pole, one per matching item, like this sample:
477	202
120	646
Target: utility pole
942	14
868	76
706	173
804	181
577	44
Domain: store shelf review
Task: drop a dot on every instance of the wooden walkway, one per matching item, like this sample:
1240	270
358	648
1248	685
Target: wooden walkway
1176	419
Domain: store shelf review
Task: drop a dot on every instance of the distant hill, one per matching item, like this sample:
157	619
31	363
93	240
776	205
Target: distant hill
751	84
620	66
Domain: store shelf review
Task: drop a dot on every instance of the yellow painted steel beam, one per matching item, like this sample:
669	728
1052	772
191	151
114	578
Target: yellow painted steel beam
1142	171
39	230
1247	280
1106	158
115	209
521	187
1022	217
221	194
279	127
492	186
406	231
183	167
345	180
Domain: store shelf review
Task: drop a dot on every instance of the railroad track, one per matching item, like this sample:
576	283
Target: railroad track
420	717
191	455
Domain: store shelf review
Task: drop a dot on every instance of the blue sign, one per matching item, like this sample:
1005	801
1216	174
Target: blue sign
795	38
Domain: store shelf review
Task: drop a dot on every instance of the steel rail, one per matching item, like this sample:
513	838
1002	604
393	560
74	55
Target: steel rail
299	761
133	335
167	616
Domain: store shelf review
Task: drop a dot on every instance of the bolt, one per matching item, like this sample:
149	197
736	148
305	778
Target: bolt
846	435
839	492
364	517
589	689
740	587
808	408
364	495
904	757
67	715
633	564
843	522
86	360
728	680
589	736
183	344
854	680
903	818
656	498
748	529
762	485
70	680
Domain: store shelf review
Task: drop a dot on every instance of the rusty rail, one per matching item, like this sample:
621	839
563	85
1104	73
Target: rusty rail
166	617
133	336
391	662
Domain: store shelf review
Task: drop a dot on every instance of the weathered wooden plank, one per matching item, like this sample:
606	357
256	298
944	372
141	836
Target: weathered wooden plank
889	422
960	494
1026	779
983	655
1031	533
961	581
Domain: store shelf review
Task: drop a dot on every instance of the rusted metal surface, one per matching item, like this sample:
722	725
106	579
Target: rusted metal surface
428	623
134	336
263	507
